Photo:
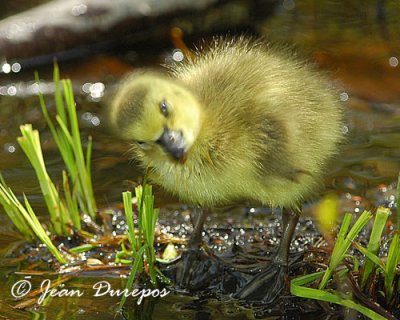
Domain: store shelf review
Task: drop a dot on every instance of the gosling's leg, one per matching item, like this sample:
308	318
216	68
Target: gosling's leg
268	284
289	223
185	267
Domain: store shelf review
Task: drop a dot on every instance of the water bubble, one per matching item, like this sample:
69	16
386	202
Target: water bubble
87	116
12	90
144	8
79	9
86	87
177	55
9	147
33	89
3	90
95	121
289	4
81	311
16	67
97	90
393	62
6	68
344	96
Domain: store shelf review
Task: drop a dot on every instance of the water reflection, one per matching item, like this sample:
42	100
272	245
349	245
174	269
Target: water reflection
9	147
7	68
393	62
79	10
344	96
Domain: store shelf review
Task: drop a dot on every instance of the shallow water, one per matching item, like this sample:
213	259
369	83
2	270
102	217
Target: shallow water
365	175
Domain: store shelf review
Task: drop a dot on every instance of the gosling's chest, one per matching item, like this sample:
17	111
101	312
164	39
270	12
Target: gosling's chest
204	186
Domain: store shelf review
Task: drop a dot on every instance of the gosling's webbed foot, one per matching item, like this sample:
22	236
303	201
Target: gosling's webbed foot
196	270
266	286
186	267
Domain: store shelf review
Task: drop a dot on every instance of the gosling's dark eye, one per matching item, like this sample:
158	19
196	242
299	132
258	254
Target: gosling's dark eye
164	107
140	143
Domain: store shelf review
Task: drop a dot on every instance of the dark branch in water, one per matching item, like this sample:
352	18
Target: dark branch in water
66	29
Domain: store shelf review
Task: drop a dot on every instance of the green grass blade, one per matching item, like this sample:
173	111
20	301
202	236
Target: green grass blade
72	204
297	288
361	221
148	221
374	243
26	213
85	187
89	158
398	203
65	132
83	248
13	212
44	108
134	270
343	243
42	235
63	146
147	217
127	200
57	94
139	193
391	265
371	257
339	243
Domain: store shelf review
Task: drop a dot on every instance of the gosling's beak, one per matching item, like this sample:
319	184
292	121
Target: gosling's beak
174	143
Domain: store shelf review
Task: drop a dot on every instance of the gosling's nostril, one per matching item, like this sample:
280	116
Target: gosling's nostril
173	142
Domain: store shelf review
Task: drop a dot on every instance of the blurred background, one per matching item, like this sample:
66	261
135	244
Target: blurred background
96	42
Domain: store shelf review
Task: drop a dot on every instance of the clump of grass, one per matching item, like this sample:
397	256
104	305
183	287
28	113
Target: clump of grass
12	209
372	262
298	288
25	219
68	140
392	263
343	243
64	212
141	239
30	144
388	269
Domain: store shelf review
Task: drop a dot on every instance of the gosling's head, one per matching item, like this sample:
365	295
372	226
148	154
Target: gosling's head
158	114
